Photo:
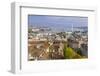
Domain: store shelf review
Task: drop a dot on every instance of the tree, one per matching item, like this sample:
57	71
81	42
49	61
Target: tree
69	53
79	51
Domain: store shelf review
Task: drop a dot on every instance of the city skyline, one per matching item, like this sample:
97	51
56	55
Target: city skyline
57	37
58	23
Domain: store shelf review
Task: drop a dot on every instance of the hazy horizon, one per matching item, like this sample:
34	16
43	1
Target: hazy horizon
57	22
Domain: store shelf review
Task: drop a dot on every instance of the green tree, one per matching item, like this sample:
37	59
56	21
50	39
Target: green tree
69	53
65	51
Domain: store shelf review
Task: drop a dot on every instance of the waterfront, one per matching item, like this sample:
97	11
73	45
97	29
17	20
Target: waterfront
57	37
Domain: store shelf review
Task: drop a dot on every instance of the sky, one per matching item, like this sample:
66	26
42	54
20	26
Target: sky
58	22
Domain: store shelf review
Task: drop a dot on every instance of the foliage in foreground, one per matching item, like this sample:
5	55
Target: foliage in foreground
69	53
